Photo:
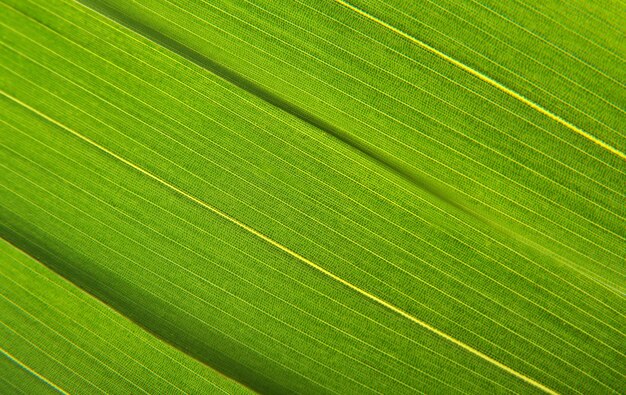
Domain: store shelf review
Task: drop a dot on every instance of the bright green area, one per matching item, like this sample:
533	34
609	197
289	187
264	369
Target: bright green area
497	155
339	139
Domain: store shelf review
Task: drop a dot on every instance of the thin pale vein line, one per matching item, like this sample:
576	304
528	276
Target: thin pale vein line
294	254
195	274
473	198
12	385
202	230
468	89
581	36
411	107
192	88
35	346
487	79
503	67
252	257
141	224
264	290
590	14
211	283
313	218
145	269
454	278
274	317
32	371
550	43
522	53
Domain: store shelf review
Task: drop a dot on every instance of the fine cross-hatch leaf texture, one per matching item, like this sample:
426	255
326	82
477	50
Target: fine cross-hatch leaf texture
315	197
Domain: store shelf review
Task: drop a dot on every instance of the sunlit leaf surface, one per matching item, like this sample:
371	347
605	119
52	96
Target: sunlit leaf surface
351	197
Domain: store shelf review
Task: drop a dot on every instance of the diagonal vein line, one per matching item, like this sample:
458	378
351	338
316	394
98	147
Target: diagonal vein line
170	213
31	371
487	79
18	390
201	230
160	298
183	125
504	67
412	85
376	154
290	252
456	279
348	262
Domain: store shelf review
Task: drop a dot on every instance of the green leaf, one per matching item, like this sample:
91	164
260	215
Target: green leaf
312	197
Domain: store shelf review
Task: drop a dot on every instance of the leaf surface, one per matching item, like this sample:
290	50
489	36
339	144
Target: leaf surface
317	197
